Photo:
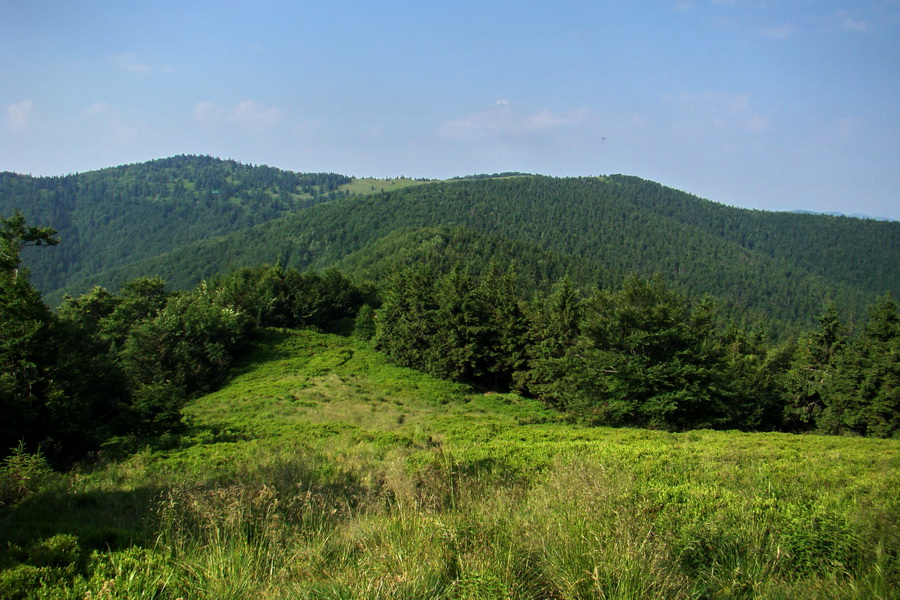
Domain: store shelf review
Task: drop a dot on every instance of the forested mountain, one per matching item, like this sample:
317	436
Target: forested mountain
612	299
447	247
187	218
120	215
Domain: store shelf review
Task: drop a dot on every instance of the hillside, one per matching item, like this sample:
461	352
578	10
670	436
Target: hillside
164	218
322	471
120	215
783	266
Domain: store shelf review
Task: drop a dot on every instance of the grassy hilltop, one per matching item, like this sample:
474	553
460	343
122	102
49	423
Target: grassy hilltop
320	471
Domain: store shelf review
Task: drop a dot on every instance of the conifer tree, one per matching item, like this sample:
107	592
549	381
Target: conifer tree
809	380
555	323
863	395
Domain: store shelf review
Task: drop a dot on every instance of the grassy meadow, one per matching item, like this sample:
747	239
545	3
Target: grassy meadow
370	185
322	472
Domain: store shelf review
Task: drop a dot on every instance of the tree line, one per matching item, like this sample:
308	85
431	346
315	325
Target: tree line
187	218
782	267
642	353
123	363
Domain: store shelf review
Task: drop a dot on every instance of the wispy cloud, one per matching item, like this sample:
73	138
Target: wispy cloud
854	25
844	21
249	115
18	115
502	120
127	61
714	112
111	123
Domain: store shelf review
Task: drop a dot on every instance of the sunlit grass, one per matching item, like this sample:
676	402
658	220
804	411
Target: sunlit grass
370	185
321	471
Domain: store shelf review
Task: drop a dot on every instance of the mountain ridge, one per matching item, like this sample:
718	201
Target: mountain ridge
210	215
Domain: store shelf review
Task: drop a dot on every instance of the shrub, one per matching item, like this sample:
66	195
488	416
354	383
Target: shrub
21	474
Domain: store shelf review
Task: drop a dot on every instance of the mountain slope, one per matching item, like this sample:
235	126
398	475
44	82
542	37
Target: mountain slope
187	218
120	215
859	252
755	261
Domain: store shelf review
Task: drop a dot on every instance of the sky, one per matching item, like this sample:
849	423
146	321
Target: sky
766	104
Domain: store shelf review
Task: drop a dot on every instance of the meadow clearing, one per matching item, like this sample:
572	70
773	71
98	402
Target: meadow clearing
321	471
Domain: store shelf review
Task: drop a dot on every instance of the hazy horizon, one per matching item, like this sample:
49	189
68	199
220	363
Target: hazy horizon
780	106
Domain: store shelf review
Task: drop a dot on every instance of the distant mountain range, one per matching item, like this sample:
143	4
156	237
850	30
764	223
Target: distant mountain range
189	217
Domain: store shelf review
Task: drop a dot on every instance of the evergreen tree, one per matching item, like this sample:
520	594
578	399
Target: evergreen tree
27	347
555	323
27	351
364	323
863	395
809	380
405	325
756	371
506	327
639	362
15	235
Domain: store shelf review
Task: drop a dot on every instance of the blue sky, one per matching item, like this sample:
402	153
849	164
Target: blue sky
764	104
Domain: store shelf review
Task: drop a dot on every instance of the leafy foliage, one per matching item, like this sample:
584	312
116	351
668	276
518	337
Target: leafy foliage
185	349
861	394
642	355
644	358
125	364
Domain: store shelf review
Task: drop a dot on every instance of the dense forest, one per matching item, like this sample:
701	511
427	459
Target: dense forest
614	300
641	353
188	218
120	215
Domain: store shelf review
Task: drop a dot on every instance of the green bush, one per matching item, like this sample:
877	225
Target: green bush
51	563
21	474
23	581
58	552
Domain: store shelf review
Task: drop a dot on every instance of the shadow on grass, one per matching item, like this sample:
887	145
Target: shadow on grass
101	520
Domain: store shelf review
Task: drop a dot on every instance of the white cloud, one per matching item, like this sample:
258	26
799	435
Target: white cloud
855	26
249	114
18	115
504	121
111	123
127	61
842	20
97	109
254	115
718	113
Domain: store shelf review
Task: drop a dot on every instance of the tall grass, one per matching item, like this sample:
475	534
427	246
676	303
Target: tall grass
274	494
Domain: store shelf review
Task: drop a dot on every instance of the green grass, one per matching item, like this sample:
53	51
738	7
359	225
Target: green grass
369	185
321	471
